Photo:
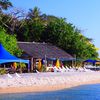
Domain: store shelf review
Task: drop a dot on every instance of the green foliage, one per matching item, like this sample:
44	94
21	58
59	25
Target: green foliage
40	27
9	42
2	71
34	13
33	27
33	31
22	65
5	4
43	68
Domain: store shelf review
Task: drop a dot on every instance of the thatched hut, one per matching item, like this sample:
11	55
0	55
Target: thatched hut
34	50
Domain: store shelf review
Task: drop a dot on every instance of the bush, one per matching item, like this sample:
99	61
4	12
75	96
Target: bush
21	67
43	68
2	71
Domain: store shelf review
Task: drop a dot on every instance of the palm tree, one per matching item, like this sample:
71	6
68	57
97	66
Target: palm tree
34	13
36	16
5	4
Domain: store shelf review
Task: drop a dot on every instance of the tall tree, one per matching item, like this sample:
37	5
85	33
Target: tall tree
12	21
45	28
33	26
34	13
69	38
5	4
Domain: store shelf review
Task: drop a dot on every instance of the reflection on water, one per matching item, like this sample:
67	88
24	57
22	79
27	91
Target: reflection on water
86	92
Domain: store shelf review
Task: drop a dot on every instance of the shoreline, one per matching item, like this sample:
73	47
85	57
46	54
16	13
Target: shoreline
83	79
37	89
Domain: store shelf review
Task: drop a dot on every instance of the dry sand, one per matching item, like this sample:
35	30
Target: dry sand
39	82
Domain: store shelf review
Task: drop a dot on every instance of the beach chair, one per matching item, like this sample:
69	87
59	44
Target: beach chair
37	71
17	75
87	70
56	69
81	69
61	69
64	69
9	75
67	69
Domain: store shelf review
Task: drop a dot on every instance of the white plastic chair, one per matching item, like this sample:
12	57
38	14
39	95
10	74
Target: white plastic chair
9	75
17	75
56	69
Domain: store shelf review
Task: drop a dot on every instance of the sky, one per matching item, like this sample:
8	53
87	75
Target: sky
84	14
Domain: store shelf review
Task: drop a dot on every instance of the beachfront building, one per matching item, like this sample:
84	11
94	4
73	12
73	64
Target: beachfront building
42	52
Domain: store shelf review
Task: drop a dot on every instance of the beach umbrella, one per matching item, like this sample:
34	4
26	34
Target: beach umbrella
39	65
58	63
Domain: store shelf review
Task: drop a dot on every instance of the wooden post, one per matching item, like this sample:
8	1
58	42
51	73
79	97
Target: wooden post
72	63
29	65
45	61
32	64
75	60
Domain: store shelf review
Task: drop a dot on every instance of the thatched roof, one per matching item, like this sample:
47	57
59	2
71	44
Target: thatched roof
39	50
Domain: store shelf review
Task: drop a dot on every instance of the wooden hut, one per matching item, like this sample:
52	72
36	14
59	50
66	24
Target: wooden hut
34	50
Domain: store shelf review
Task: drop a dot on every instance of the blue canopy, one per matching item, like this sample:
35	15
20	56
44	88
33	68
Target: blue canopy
6	57
91	61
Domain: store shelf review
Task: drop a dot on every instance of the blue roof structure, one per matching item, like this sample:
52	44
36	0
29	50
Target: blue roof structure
6	57
91	61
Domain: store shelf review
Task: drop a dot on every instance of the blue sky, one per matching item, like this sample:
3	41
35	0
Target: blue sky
84	14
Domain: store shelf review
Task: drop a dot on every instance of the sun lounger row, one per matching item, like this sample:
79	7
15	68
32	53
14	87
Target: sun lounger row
66	69
10	76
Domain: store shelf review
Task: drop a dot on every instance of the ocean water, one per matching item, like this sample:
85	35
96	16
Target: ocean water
84	92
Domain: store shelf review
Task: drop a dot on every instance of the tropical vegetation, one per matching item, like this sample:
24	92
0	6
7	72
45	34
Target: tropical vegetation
39	27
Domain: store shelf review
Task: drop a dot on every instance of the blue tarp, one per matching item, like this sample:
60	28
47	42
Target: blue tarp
6	57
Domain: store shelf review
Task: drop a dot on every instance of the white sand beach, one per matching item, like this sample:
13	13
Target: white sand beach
49	81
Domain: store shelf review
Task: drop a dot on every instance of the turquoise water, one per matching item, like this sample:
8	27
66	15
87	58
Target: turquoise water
85	92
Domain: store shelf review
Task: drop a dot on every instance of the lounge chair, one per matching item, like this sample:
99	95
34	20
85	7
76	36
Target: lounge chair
37	71
17	75
80	69
62	69
87	70
65	69
56	69
9	75
68	69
